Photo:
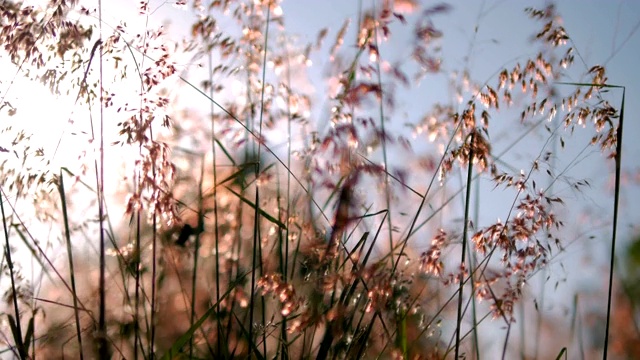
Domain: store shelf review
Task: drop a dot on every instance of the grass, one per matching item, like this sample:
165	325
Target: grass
262	233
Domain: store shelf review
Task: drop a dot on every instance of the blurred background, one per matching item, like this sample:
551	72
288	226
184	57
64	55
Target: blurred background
470	43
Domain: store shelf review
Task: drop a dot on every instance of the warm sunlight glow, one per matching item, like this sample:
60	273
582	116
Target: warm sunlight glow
48	118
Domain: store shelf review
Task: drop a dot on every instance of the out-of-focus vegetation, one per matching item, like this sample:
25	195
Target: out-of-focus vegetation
254	217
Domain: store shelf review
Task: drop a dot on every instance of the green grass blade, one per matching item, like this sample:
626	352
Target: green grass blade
562	352
186	337
260	211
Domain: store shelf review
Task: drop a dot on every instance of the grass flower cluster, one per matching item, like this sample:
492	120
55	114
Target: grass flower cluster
256	219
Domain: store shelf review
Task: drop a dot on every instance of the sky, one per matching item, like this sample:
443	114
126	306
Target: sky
487	34
605	33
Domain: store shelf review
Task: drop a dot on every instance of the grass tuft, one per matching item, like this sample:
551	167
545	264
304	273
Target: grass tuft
251	217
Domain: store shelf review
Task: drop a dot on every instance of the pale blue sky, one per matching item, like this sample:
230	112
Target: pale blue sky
604	32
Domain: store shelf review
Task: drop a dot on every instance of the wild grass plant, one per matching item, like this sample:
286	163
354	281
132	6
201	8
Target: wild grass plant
261	220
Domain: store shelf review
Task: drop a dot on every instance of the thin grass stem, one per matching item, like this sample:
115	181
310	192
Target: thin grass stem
67	232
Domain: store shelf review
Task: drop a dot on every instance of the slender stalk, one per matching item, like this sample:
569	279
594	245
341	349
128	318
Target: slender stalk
616	201
22	351
103	349
523	342
257	246
387	183
200	228
506	342
543	278
464	241
216	233
137	261
154	265
70	257
284	264
472	281
250	127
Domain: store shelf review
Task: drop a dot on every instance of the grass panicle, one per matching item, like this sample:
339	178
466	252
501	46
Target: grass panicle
258	213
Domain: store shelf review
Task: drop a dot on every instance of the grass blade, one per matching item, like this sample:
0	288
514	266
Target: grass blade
186	337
